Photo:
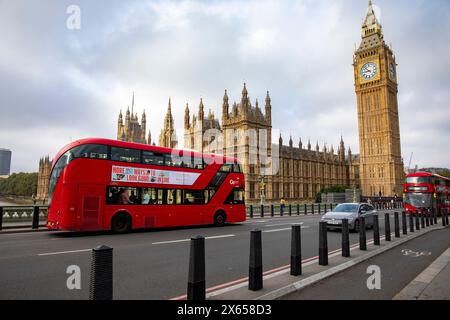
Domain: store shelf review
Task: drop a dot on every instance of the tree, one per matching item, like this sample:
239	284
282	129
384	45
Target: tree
19	184
332	189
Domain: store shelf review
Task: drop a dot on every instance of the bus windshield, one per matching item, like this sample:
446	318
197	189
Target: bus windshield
418	200
62	162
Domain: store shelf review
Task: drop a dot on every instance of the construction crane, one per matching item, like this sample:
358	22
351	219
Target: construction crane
410	160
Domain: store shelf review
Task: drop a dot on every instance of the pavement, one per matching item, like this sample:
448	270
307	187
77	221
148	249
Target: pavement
399	267
149	264
153	264
432	283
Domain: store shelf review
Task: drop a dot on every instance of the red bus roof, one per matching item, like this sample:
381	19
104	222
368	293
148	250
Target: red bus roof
426	174
139	146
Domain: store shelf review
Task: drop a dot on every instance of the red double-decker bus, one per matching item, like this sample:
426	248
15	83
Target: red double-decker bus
102	184
424	190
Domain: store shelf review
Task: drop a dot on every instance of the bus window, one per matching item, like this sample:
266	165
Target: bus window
122	195
145	196
125	155
198	163
149	157
208	194
112	195
173	161
193	197
226	168
93	151
174	196
236	197
160	196
237	168
419	180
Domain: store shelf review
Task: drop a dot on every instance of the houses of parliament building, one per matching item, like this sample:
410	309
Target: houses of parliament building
297	171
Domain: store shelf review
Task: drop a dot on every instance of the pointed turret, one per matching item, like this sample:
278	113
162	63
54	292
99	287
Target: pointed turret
300	144
291	143
225	106
268	107
309	144
187	117
201	110
149	138
280	141
245	105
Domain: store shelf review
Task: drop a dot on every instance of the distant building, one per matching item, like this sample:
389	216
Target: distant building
5	162
131	130
45	165
167	137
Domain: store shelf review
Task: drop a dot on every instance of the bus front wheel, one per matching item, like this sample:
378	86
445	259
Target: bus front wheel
220	219
121	223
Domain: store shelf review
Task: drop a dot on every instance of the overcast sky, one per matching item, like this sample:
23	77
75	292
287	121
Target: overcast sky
58	85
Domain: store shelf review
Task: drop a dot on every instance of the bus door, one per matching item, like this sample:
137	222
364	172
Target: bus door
92	206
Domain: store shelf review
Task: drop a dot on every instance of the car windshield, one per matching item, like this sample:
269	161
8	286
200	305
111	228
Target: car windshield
346	208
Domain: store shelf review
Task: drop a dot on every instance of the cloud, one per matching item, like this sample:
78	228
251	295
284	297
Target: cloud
58	84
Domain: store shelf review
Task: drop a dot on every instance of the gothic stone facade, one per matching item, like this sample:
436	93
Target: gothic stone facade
271	171
45	165
131	130
381	163
168	137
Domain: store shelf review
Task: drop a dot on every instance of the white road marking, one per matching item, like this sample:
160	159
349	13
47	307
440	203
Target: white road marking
281	224
186	240
63	252
284	229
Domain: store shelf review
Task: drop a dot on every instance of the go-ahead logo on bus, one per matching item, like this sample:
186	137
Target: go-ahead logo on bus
140	175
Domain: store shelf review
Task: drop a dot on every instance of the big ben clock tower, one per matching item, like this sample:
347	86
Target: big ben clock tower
381	165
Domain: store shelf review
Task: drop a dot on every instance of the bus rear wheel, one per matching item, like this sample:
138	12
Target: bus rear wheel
121	223
220	219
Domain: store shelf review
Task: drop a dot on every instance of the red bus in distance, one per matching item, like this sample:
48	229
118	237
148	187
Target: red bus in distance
424	190
102	184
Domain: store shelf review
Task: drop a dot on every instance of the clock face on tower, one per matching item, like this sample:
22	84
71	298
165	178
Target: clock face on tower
369	70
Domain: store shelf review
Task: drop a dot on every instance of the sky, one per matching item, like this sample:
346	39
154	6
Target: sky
59	84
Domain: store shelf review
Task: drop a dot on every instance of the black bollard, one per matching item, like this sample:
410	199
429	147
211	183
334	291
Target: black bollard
1	218
427	218
251	211
281	211
101	281
196	278
446	217
255	273
376	230
411	222
35	224
290	210
262	211
422	219
430	214
396	225
441	212
271	210
296	251
362	234
417	220
312	209
404	226
319	208
434	213
306	209
387	226
331	207
345	239
323	244
298	209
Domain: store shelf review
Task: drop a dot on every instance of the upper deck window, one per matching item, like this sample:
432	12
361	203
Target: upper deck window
93	151
125	155
154	158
